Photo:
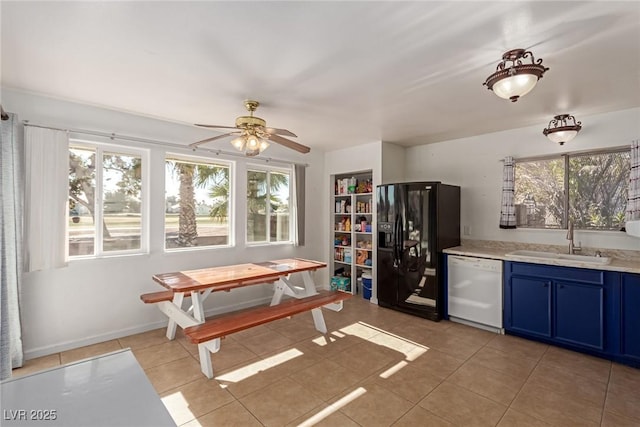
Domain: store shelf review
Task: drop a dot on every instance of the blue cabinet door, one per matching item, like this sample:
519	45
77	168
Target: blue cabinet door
579	314
630	337
528	306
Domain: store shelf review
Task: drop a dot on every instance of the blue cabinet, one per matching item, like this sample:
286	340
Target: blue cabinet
529	306
630	317
559	305
596	312
579	314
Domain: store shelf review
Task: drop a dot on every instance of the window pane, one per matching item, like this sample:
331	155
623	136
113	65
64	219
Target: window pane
196	204
256	206
598	186
279	212
539	193
82	190
121	185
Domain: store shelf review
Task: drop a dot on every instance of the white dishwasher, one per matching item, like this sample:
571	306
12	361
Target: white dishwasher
475	291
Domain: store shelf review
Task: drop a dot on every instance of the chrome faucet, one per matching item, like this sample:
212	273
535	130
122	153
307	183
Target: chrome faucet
572	247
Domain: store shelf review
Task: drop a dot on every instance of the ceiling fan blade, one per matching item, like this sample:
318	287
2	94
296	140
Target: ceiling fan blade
217	127
276	131
289	144
204	141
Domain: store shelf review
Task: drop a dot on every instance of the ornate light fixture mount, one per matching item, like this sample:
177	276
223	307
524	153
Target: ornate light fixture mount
563	128
513	78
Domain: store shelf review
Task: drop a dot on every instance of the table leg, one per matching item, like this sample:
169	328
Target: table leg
318	320
309	285
198	310
204	352
178	297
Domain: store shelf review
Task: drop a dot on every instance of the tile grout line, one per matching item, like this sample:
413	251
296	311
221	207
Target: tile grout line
525	383
606	394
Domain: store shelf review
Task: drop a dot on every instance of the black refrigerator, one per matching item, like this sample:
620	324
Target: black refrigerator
416	221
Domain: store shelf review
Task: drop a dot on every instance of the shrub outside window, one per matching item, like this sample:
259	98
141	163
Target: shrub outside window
588	189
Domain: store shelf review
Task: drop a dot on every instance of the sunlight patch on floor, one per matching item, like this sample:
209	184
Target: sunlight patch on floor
410	349
392	370
259	366
178	408
333	407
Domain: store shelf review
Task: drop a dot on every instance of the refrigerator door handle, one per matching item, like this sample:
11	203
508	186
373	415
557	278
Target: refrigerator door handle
398	241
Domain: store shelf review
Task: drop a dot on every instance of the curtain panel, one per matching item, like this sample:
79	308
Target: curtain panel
633	203
46	198
298	203
11	243
508	209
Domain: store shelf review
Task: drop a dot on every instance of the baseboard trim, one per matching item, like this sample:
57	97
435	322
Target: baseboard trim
95	339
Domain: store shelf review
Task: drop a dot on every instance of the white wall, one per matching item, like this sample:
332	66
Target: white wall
474	164
95	300
393	163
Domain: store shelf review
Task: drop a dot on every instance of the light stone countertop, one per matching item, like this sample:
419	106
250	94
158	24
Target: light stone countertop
623	261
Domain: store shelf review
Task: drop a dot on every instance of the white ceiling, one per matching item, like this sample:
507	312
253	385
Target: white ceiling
335	73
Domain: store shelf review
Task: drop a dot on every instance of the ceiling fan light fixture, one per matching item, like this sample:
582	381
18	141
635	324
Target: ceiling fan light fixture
239	143
563	128
264	144
254	134
513	78
253	142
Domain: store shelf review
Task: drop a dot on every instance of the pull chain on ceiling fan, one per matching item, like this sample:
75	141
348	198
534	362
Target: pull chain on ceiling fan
253	135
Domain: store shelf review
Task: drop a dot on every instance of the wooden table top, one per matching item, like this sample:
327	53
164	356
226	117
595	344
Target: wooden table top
234	276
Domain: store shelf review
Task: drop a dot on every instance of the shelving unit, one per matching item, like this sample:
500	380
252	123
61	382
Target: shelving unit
353	219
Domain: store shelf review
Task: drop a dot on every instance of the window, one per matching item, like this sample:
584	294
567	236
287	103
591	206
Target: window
588	189
268	206
197	203
106	209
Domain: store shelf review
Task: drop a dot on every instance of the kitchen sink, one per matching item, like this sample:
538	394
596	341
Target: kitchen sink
585	259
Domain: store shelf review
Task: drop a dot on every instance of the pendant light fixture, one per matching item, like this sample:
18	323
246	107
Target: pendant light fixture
513	78
563	128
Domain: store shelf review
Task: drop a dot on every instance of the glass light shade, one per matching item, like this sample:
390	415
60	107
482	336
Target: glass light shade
253	142
239	143
518	85
562	136
263	145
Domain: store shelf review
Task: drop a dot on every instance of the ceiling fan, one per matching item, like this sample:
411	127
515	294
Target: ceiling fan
252	134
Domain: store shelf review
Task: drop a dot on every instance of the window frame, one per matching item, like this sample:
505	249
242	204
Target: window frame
168	155
100	149
268	170
566	158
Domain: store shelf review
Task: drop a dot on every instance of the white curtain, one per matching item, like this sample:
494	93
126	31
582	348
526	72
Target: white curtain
46	198
11	243
633	204
508	209
297	210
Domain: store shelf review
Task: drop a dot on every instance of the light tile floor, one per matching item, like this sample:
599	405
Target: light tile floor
377	367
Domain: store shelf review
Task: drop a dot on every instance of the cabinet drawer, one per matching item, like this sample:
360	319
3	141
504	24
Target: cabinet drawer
583	275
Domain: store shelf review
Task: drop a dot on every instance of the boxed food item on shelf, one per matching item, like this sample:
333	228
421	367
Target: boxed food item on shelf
347	255
340	283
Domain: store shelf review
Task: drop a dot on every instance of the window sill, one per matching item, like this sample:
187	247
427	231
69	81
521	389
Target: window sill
109	256
196	249
263	244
